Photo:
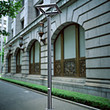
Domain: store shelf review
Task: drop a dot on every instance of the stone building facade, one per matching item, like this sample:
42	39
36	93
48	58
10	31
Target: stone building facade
80	46
3	26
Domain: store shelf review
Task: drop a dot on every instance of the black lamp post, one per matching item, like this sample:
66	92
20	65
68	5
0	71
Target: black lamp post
48	16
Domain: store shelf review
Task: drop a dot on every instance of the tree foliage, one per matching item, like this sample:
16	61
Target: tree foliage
9	8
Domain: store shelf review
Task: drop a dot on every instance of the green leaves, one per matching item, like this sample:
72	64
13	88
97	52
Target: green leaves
4	33
9	8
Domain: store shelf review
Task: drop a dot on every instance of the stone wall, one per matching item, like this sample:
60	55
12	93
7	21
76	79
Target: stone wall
93	16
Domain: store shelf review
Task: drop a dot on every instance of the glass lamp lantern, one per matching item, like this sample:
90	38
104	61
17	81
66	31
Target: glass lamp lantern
9	48
41	29
21	41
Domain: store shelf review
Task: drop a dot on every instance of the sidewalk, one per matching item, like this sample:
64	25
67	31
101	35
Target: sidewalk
13	97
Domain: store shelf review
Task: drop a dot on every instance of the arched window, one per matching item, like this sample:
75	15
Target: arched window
9	64
69	52
34	60
18	61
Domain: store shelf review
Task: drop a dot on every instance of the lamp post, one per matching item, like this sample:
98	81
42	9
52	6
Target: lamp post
48	16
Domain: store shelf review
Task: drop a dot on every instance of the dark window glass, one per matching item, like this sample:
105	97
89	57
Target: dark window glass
12	32
4	22
22	3
22	24
18	65
37	12
41	2
9	64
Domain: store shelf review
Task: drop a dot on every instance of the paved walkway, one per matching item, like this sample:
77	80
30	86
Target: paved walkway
13	97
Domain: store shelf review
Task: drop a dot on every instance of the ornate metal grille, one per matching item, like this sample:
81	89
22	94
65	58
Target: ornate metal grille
18	69
32	68
69	67
82	67
58	68
35	68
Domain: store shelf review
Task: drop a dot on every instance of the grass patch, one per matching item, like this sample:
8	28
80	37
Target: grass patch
94	101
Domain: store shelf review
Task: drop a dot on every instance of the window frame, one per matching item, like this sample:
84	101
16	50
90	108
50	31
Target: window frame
18	66
22	23
9	63
33	64
77	58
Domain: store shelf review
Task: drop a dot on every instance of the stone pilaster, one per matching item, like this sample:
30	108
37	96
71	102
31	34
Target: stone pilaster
5	68
13	64
25	63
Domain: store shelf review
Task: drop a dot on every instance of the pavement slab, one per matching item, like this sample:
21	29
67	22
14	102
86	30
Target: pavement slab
13	97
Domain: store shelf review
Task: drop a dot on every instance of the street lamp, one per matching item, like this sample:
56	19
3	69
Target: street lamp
48	16
9	48
41	32
41	29
21	43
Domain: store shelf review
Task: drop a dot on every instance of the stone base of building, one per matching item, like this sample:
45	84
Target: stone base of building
88	86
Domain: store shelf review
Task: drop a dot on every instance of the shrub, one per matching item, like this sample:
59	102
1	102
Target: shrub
94	101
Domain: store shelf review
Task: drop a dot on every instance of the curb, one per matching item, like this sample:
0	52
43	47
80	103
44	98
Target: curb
55	97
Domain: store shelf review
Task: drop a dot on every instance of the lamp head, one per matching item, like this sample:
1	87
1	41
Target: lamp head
21	41
9	48
41	29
